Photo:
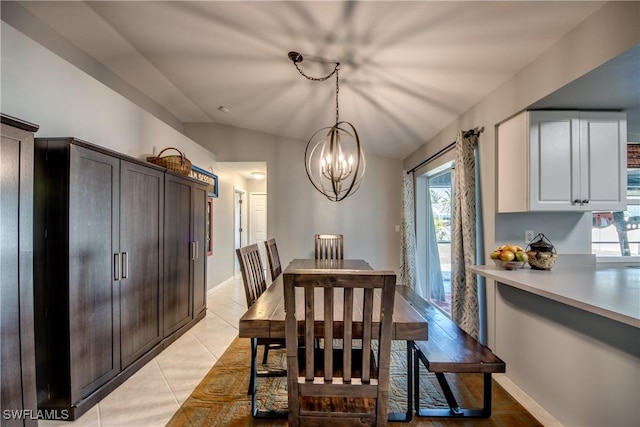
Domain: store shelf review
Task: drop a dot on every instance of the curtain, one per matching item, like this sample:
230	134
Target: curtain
407	270
434	271
464	291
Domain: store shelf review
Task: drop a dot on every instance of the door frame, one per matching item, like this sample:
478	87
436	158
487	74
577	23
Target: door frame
240	226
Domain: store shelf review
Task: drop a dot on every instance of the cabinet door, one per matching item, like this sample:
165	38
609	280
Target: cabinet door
603	155
555	158
94	329
200	261
178	247
141	231
17	355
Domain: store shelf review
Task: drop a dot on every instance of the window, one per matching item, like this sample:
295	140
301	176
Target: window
618	233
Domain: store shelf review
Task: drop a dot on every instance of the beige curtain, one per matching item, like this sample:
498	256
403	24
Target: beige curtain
407	270
464	290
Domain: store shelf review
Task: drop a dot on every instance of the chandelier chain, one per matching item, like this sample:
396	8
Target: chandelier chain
337	91
317	79
321	79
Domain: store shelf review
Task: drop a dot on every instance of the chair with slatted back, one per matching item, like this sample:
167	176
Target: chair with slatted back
254	285
274	258
347	385
329	246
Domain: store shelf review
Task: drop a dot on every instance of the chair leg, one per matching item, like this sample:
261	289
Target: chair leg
254	367
265	356
408	415
253	385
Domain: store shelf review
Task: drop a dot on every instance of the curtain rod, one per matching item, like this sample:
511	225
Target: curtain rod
467	134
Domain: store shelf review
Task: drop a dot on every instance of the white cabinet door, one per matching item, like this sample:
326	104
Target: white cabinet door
603	159
554	144
573	161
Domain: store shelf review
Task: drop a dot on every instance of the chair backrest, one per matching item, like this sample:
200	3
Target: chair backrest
274	258
252	273
329	246
362	303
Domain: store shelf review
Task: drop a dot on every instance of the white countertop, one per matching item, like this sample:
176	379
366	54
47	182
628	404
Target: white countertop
612	292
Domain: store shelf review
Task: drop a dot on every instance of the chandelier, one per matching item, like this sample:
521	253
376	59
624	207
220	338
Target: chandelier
334	159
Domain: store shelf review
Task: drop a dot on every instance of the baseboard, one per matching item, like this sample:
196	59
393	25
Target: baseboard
224	282
534	408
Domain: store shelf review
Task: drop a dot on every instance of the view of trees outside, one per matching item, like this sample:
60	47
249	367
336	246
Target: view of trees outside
441	207
440	194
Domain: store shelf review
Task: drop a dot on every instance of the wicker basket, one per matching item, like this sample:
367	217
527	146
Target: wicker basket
542	254
543	262
174	163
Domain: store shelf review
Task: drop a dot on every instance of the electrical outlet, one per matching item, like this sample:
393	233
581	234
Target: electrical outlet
528	236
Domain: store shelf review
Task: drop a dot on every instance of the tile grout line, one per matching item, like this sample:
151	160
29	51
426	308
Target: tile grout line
166	382
99	413
222	318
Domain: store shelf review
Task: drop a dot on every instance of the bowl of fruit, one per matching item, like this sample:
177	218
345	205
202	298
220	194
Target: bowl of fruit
510	257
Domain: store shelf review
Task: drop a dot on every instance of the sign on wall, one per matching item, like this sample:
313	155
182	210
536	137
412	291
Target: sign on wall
207	177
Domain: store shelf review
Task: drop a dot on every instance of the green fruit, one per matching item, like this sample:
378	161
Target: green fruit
522	256
495	255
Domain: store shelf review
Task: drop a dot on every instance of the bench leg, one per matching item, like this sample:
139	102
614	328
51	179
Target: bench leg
454	410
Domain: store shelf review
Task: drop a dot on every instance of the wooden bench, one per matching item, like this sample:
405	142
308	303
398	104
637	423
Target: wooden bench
449	349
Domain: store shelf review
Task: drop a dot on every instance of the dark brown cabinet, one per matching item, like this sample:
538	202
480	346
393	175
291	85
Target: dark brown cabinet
101	283
17	356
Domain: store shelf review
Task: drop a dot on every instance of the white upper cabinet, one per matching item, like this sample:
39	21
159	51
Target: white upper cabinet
562	161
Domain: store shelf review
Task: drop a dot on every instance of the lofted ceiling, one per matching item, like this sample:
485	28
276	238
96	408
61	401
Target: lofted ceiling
408	69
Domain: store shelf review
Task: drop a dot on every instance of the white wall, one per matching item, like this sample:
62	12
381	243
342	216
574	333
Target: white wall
296	211
606	34
601	37
222	261
44	89
41	87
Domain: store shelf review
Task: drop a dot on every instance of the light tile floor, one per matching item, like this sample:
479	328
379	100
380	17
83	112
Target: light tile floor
153	394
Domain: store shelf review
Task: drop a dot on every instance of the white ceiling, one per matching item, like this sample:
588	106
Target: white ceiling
408	68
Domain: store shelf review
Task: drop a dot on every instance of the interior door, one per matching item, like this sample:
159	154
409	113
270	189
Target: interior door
258	223
239	227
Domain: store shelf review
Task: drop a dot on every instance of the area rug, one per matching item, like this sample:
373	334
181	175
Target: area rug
221	397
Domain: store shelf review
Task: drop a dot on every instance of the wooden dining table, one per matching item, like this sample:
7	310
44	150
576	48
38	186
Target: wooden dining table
266	319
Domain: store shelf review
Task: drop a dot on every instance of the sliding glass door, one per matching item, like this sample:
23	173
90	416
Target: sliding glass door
439	204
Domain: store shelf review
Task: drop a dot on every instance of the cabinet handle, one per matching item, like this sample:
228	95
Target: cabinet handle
125	265
197	250
193	251
116	266
576	201
585	202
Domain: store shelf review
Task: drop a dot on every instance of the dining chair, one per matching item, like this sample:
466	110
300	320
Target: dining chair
329	246
347	385
275	269
254	285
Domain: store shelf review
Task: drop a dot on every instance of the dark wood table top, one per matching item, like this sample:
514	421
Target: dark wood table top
265	319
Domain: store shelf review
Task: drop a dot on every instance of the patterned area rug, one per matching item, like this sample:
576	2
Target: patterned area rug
221	397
